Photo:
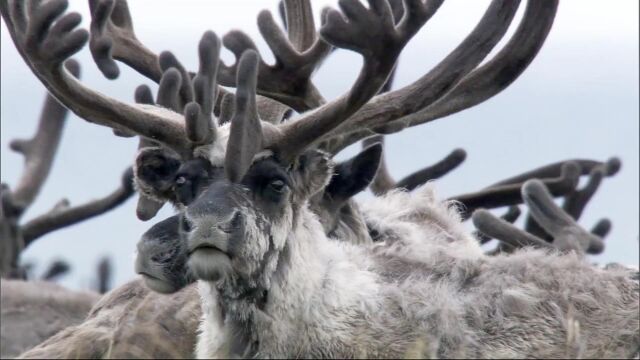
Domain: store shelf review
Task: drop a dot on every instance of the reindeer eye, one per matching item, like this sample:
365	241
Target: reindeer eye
181	180
277	185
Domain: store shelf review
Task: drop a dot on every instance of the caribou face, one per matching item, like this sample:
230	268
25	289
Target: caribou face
162	255
237	230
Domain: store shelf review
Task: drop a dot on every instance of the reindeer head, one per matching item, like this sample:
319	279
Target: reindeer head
162	255
242	225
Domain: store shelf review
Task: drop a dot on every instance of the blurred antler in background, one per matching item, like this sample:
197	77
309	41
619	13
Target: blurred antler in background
39	153
104	275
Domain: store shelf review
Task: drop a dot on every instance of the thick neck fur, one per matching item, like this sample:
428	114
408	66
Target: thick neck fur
422	292
308	284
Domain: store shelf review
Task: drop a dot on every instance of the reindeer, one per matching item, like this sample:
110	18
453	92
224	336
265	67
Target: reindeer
277	287
286	147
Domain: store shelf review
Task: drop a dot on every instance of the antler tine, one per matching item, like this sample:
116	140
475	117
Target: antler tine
56	269
289	79
39	151
299	23
512	214
372	33
566	233
104	273
168	90
200	124
504	231
65	216
49	39
113	37
611	166
435	171
384	182
245	136
576	201
503	195
601	229
440	92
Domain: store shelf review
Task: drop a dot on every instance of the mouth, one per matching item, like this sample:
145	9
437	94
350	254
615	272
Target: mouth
205	246
208	262
157	284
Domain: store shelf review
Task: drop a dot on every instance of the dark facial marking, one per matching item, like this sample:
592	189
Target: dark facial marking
156	168
192	178
268	180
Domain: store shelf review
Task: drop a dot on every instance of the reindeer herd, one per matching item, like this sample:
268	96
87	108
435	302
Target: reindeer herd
269	254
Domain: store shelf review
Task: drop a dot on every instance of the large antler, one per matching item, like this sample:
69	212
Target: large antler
297	57
576	200
370	32
453	85
39	153
567	234
506	194
45	37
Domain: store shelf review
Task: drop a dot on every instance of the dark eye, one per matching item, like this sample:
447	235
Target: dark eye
277	185
181	180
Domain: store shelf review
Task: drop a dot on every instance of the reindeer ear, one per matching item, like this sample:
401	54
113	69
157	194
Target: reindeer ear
354	175
155	170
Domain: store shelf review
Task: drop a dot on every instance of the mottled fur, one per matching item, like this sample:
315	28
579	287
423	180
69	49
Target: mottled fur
33	311
130	322
426	285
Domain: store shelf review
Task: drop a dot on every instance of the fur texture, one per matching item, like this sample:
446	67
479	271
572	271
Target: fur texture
426	287
56	307
130	322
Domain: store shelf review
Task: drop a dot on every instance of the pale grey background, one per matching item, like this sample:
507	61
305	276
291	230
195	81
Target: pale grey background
579	98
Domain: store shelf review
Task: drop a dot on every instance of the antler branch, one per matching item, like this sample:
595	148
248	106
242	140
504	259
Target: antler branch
46	38
66	216
567	234
452	85
612	166
113	38
509	194
372	33
40	151
383	181
512	214
297	57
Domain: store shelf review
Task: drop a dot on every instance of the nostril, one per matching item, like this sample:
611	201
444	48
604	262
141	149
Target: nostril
185	224
231	225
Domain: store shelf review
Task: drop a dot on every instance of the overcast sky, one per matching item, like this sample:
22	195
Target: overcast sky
578	99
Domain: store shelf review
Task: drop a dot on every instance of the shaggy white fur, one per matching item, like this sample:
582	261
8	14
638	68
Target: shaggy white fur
429	287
